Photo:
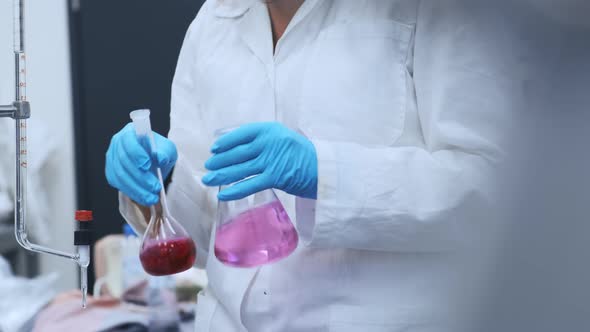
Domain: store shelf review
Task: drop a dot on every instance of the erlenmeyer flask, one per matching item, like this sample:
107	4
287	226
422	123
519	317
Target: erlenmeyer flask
254	231
166	248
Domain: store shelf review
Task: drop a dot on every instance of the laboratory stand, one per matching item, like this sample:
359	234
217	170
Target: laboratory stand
20	110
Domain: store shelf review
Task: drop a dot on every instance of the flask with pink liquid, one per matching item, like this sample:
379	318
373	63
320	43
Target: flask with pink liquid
253	231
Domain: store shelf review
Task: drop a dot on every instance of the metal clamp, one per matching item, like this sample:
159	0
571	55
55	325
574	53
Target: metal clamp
7	111
22	110
19	110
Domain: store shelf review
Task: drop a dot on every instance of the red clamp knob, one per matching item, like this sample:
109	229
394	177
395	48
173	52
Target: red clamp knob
83	232
83	215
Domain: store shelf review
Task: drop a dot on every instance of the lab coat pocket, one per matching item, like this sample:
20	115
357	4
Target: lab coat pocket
354	88
349	318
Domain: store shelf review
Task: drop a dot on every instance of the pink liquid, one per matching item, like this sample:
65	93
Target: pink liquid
160	258
256	237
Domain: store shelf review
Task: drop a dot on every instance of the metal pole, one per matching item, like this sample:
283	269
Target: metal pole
7	111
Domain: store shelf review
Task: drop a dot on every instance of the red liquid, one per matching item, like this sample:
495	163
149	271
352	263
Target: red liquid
160	258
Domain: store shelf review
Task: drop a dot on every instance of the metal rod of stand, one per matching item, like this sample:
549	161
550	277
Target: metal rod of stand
7	111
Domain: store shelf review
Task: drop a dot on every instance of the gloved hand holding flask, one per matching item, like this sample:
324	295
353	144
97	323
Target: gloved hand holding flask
273	155
129	167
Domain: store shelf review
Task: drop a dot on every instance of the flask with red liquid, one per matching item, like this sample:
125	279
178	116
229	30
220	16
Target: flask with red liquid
166	248
253	231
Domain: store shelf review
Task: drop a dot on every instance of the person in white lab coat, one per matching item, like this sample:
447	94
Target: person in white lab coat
398	114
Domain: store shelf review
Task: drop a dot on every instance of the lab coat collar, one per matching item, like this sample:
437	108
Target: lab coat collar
306	8
255	28
237	8
232	8
284	46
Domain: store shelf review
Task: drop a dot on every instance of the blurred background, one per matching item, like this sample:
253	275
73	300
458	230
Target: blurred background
91	62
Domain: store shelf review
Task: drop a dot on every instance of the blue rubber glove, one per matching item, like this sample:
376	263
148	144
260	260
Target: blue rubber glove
278	157
129	166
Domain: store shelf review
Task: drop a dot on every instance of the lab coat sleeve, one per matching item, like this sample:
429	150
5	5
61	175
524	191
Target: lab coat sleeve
189	201
435	198
192	203
396	199
132	214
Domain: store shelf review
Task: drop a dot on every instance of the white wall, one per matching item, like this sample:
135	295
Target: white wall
49	91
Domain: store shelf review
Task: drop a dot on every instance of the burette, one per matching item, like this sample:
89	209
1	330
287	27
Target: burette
20	111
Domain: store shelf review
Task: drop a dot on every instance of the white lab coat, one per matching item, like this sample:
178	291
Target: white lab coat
405	111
